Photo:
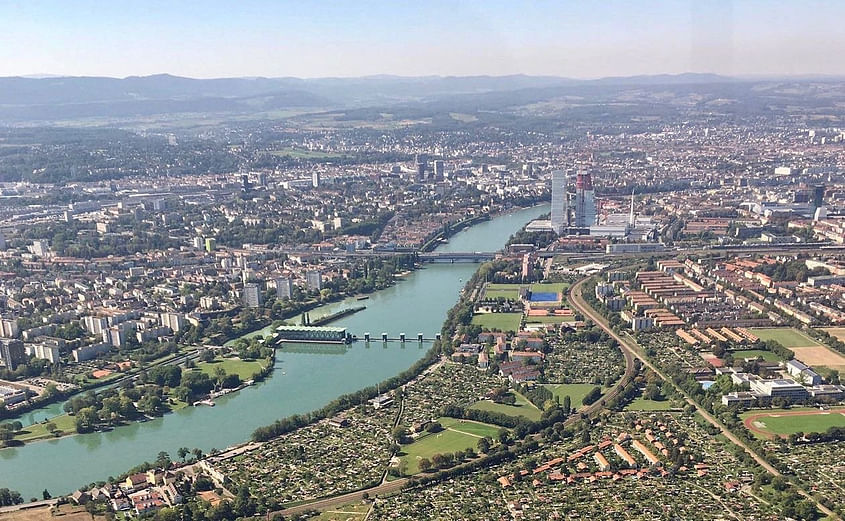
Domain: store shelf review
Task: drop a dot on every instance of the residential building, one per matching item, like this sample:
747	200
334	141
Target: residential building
12	353
252	296
314	280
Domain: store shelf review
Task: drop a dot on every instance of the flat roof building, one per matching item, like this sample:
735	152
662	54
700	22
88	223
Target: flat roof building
310	334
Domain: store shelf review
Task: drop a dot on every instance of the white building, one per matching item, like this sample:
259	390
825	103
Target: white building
560	204
313	280
284	287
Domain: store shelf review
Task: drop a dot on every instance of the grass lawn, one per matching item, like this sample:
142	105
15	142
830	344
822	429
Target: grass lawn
521	408
516	287
641	404
549	287
508	294
454	437
768	356
243	368
548	320
470	427
780	421
576	392
64	423
787	336
502	321
350	512
508	291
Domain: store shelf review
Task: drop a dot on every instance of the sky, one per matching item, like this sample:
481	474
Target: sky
314	38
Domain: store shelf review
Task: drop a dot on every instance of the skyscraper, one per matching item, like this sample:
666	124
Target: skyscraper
420	161
315	179
818	196
439	170
585	201
560	204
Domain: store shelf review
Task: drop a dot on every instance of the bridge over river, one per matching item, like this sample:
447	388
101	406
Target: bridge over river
304	379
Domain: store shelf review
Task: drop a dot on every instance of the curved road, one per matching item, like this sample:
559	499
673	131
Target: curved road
576	299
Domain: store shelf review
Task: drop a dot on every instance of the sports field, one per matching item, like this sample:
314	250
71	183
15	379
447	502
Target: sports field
768	356
549	287
836	332
522	407
783	422
820	356
456	435
507	291
787	336
805	348
501	321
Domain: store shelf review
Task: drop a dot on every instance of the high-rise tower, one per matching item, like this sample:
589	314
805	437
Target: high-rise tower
560	203
585	201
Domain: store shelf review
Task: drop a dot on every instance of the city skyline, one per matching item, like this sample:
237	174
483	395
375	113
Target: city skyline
281	39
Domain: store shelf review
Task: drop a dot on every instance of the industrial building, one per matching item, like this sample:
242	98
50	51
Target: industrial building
310	334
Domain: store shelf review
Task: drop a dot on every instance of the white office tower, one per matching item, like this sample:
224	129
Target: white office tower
315	179
585	201
560	205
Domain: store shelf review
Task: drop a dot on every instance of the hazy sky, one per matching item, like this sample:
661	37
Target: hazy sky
310	38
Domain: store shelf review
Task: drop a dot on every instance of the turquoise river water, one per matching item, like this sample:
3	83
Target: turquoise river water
304	379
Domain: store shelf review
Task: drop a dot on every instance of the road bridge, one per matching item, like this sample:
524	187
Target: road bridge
454	256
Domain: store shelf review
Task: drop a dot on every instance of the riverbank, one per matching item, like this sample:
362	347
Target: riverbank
303	381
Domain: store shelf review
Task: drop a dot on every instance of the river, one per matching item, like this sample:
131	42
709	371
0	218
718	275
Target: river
303	379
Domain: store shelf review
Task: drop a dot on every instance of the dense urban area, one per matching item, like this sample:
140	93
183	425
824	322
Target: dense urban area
652	325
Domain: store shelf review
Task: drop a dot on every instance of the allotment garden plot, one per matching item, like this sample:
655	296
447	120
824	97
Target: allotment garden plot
317	460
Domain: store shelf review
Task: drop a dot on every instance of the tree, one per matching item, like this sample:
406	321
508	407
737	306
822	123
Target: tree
424	464
592	396
163	460
483	445
439	460
400	434
46	495
86	418
183	453
504	436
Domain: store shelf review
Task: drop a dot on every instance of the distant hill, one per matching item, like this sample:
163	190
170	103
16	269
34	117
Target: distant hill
52	98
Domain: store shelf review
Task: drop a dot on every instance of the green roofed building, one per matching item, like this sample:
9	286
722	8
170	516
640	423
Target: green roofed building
310	334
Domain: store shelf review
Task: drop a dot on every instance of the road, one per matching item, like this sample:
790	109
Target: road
322	504
576	299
